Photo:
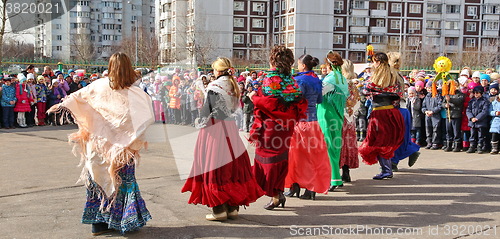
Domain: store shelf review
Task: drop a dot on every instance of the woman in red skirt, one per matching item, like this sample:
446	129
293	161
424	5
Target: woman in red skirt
386	125
278	107
221	176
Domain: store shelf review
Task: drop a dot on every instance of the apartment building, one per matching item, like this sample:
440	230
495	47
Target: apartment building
421	29
245	29
91	29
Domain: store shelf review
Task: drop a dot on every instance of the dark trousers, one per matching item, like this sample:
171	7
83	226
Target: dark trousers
478	136
433	131
194	115
8	117
453	132
248	121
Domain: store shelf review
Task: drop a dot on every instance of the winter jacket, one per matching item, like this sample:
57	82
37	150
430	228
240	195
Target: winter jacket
478	108
41	93
8	95
433	104
248	104
415	108
175	100
23	94
465	120
495	122
456	104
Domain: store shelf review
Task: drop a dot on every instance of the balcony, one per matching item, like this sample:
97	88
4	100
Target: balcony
451	48
378	29
452	32
378	13
359	29
490	33
357	46
360	12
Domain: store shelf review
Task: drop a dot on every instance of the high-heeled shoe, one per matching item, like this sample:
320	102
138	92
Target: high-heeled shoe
276	201
308	195
294	189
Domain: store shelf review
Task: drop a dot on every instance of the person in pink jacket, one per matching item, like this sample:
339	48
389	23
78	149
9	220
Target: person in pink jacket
23	104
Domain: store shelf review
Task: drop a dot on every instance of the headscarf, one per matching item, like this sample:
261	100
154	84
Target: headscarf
280	85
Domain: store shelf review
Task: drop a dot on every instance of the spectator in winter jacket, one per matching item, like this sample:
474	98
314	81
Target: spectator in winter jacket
477	112
8	102
495	124
453	105
431	107
414	105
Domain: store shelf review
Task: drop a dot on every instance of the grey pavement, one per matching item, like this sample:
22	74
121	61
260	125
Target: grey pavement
445	195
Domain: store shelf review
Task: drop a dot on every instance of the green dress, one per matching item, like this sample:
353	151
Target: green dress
331	118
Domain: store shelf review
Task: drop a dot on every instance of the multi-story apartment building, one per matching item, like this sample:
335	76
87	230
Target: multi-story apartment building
420	29
245	29
91	29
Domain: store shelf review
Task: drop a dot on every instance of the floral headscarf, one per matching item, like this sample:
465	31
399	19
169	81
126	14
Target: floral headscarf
280	85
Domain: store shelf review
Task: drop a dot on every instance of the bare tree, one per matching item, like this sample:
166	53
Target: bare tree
147	47
3	22
13	48
83	47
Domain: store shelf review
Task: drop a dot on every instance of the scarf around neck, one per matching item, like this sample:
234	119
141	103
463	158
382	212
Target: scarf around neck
281	85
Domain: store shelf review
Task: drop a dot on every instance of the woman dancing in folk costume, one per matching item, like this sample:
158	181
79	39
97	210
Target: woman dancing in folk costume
279	105
331	114
349	153
308	165
112	117
386	125
407	148
221	176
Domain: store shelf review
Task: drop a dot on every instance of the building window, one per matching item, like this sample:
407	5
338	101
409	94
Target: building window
358	21
356	56
283	5
239	22
358	5
413	41
357	38
451	25
381	6
258	23
339	22
282	38
338	39
380	23
433	8
433	41
276	23
433	24
238	39
276	39
471	26
240	54
59	37
414	25
452	8
291	38
258	39
490	9
283	23
338	5
376	39
276	7
291	21
471	11
415	8
239	6
259	7
395	24
451	41
395	7
470	42
58	26
394	41
489	26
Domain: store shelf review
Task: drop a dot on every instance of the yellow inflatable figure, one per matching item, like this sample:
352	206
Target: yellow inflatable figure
442	65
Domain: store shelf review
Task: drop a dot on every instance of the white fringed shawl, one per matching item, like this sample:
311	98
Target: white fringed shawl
111	126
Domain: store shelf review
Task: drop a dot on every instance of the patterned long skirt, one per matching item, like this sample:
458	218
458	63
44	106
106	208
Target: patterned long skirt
128	212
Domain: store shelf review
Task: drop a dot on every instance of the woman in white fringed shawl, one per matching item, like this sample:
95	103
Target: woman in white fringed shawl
112	115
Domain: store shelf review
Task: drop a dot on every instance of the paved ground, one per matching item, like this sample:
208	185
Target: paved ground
445	195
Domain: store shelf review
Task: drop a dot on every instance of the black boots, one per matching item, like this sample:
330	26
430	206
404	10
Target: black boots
449	146
494	147
100	228
294	189
308	195
413	158
346	177
457	146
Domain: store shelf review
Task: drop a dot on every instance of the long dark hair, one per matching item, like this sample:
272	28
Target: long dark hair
282	58
309	61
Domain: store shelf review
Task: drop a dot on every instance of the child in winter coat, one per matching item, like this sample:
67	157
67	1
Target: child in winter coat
23	103
453	105
414	105
431	107
248	108
8	102
477	112
495	124
41	99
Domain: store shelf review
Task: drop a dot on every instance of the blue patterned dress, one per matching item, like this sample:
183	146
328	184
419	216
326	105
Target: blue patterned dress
128	213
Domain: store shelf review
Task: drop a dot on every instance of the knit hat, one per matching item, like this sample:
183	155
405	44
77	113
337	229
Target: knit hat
412	89
485	77
472	85
30	76
462	79
55	80
494	86
479	89
21	77
476	74
70	70
429	84
465	72
40	78
421	74
420	83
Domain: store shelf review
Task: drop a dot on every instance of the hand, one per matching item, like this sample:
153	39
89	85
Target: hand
447	98
474	120
12	102
58	96
497	113
447	105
